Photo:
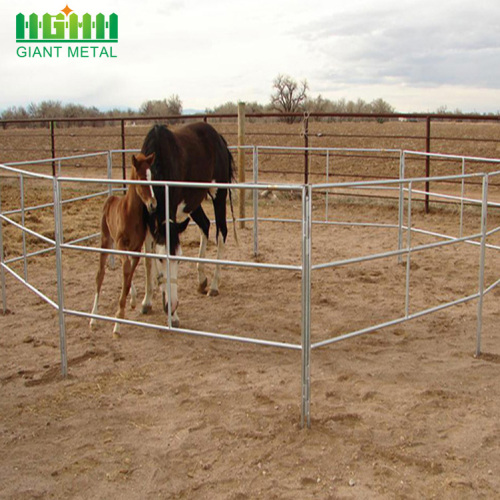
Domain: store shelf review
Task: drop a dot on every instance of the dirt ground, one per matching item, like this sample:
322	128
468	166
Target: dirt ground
405	412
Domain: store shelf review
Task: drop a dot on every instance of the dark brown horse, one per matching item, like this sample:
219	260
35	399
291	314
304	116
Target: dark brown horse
193	153
124	223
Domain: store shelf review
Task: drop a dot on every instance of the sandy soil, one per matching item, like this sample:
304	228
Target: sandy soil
405	412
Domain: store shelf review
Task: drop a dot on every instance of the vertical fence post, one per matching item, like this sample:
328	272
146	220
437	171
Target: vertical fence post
241	161
124	167
255	195
401	204
462	196
327	193
306	305
408	254
482	258
167	256
2	270
23	222
53	145
59	269
427	161
109	165
306	150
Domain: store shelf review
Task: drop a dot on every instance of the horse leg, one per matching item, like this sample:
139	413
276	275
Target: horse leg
200	266
220	221
163	281
169	296
203	223
106	242
128	267
147	302
133	296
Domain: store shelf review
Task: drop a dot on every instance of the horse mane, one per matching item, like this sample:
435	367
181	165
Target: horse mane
161	141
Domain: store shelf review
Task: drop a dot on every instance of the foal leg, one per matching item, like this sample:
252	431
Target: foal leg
99	279
106	242
133	296
220	221
148	296
203	223
129	265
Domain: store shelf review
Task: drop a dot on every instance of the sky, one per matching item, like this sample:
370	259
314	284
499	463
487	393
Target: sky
417	55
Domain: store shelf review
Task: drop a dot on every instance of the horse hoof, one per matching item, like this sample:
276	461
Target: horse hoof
213	293
175	323
202	287
93	325
146	308
116	331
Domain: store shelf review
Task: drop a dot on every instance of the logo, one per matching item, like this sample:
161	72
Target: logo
88	34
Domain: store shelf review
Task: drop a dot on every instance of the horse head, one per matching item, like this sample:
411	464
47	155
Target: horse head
142	171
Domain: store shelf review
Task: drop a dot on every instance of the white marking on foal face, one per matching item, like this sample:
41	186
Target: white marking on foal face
149	177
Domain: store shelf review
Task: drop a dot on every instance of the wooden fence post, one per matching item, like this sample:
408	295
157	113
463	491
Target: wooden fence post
241	161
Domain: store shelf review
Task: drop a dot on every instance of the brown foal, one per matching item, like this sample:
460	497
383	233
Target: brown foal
123	222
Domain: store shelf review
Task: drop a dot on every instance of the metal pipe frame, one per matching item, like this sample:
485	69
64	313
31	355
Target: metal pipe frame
482	290
306	267
306	306
60	280
482	258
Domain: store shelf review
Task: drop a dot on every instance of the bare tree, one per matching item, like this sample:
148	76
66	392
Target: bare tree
289	96
165	107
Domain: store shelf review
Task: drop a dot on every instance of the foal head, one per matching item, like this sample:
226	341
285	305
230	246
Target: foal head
141	170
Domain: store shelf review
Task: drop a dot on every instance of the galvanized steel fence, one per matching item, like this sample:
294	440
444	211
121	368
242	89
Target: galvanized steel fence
405	187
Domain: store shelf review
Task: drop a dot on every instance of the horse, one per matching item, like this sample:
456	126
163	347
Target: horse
124	223
194	153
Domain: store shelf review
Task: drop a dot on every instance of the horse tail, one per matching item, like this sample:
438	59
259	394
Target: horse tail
231	178
234	219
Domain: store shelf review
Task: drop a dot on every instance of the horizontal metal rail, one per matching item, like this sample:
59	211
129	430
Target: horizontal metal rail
220	336
194	185
28	255
454	239
30	287
395	253
63	202
394	322
389	182
26	230
181	258
52	160
478	159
